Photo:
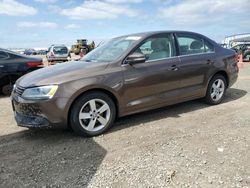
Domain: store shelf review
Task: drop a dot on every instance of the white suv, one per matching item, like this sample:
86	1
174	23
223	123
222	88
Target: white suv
57	53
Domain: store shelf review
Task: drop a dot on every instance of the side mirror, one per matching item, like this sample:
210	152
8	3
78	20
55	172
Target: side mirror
135	58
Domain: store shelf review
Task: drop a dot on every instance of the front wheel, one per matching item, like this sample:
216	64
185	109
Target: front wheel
92	114
7	89
216	90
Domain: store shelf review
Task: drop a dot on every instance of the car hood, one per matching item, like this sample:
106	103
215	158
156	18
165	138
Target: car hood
62	73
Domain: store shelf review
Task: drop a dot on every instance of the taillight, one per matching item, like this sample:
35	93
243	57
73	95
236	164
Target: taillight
34	64
237	57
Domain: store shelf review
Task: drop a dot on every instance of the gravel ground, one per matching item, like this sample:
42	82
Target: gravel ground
185	145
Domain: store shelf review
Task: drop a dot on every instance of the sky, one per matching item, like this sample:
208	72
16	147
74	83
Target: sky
40	23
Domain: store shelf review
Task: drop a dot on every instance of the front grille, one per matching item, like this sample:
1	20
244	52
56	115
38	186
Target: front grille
19	90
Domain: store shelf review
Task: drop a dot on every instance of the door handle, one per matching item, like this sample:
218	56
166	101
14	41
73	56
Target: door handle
209	61
1	66
174	68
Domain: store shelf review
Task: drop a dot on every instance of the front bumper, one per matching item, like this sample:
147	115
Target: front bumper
31	121
39	114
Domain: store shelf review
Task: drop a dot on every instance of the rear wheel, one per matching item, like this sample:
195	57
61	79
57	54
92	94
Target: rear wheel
216	90
92	114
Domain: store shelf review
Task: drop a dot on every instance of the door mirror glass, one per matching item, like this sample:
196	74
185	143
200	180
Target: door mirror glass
135	58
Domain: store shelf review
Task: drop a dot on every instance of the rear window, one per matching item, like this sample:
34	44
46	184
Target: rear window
60	50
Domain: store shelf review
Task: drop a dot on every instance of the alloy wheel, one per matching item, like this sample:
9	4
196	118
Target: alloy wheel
217	90
94	115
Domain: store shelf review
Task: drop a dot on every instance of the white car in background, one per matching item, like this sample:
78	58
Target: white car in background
57	53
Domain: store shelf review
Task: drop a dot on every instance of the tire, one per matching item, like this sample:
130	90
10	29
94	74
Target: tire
7	89
92	114
215	93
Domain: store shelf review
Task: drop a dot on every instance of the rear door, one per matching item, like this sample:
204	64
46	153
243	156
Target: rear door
196	60
3	62
3	58
13	64
156	81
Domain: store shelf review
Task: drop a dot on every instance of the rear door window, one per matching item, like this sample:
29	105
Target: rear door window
208	46
189	45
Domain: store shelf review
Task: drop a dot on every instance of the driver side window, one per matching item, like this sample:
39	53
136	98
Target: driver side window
156	48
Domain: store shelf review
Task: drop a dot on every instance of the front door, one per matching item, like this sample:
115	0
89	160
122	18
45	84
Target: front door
155	81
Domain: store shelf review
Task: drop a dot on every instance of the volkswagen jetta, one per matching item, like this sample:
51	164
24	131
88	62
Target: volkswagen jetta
126	75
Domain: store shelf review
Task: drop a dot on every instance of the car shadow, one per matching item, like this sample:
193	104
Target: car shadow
172	111
48	158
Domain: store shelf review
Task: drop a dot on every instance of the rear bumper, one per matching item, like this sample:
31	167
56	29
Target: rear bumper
57	58
232	80
232	73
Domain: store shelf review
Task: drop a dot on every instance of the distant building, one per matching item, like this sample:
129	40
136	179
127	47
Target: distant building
232	40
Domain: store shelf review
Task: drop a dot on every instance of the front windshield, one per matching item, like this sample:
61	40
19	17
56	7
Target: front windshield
111	50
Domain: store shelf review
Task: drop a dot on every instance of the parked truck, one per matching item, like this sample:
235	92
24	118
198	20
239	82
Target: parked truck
82	46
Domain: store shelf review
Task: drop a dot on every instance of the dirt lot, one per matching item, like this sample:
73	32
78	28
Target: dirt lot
186	145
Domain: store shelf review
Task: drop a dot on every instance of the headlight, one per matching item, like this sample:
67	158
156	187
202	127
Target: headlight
40	93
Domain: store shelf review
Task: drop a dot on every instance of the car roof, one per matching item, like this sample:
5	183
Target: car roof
12	52
56	45
149	33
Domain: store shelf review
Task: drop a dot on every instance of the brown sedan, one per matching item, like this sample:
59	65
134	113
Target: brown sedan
126	75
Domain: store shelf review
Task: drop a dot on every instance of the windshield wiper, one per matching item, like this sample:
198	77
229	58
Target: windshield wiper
90	60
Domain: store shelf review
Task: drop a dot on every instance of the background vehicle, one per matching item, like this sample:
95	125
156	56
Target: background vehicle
72	48
30	52
243	49
41	52
57	53
82	46
13	66
126	75
240	43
